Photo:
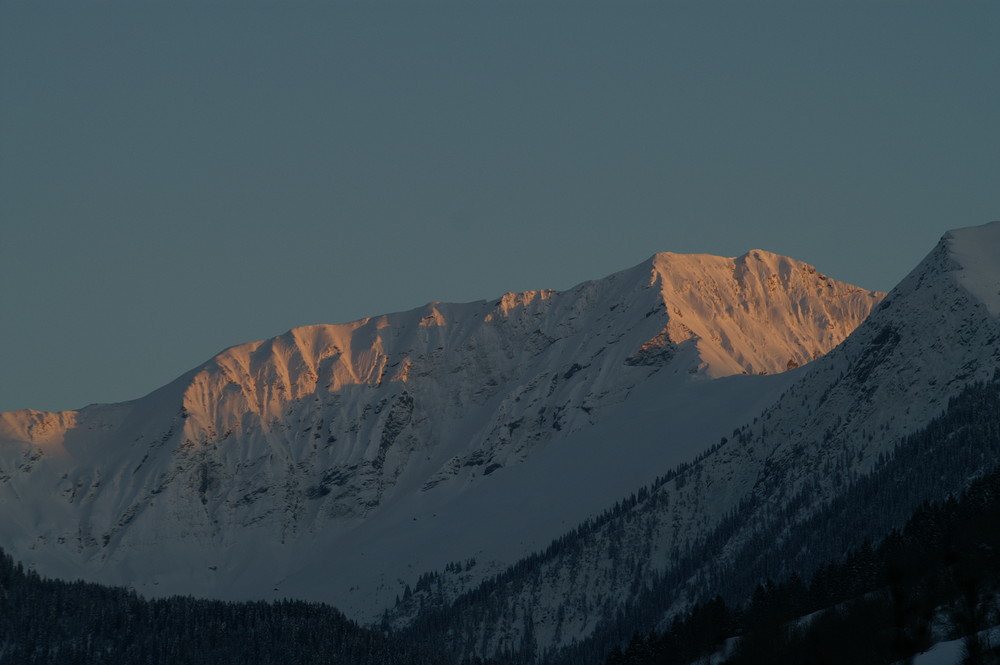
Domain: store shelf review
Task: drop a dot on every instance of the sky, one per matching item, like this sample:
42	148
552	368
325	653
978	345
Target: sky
180	177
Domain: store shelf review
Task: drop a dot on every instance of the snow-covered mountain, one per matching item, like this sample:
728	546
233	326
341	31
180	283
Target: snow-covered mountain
739	513
337	462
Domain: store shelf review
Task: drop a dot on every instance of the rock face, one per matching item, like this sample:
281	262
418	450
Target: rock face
757	314
339	461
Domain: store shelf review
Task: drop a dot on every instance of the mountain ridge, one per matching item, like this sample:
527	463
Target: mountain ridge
259	465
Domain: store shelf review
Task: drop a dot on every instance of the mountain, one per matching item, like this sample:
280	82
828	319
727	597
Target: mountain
339	462
847	451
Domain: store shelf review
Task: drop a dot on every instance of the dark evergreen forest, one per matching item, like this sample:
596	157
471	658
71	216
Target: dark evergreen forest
67	623
877	605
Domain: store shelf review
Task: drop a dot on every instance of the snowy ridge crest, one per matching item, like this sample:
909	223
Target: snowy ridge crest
976	252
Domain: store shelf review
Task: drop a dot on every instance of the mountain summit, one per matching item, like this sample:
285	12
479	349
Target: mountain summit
760	313
338	461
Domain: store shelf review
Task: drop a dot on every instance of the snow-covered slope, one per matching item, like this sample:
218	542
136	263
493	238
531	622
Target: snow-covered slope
937	332
336	462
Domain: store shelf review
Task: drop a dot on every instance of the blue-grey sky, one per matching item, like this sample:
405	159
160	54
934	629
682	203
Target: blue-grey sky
179	177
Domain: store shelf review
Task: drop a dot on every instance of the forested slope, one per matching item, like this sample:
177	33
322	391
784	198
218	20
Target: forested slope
64	623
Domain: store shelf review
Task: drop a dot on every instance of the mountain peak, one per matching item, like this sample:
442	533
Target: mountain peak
976	250
758	313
